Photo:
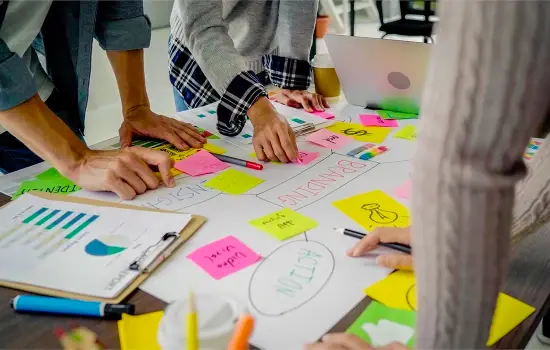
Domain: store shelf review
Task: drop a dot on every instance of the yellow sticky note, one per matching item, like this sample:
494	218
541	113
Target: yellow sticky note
213	148
374	209
173	171
359	132
233	182
407	132
253	155
139	332
284	224
175	153
398	290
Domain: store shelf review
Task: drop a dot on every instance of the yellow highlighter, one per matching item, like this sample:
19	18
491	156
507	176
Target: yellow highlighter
192	327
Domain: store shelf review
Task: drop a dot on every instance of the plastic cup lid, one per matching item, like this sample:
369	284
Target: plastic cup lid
322	61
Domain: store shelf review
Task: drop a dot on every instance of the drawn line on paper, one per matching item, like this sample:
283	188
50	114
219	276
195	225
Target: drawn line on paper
308	298
305	235
409	295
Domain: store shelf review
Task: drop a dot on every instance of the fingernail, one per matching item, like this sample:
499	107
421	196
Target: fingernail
171	182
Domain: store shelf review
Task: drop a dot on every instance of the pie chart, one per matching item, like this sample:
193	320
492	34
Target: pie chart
107	245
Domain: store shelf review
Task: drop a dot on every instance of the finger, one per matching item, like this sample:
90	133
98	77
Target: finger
396	261
138	166
125	134
380	234
122	189
175	140
289	148
346	340
324	101
268	150
130	177
316	103
303	100
159	159
259	152
190	130
285	98
188	138
323	346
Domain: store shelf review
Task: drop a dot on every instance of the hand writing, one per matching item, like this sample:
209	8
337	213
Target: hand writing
345	341
141	121
273	138
125	172
386	235
302	98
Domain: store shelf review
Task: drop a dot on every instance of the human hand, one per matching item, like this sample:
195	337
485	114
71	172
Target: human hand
141	121
125	171
273	138
302	98
345	341
386	235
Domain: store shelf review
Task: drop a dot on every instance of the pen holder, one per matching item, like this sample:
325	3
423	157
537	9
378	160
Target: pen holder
216	318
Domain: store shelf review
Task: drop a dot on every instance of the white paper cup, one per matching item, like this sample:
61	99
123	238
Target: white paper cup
216	316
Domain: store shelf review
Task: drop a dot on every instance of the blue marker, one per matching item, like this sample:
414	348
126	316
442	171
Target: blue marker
39	304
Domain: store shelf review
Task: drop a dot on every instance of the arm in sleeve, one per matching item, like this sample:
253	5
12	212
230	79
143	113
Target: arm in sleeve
207	37
122	25
291	69
16	83
487	91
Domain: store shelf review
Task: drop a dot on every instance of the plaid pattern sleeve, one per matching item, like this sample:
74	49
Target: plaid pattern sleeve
187	77
287	73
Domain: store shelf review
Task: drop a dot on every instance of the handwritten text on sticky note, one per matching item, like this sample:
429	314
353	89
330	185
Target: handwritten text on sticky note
233	182
328	139
284	224
305	157
359	132
224	257
408	133
376	120
200	163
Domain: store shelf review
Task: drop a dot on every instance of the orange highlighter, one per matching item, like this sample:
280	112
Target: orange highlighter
241	334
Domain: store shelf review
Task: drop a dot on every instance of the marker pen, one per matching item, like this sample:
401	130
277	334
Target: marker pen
49	305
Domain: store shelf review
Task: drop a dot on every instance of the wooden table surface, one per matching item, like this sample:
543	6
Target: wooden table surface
527	280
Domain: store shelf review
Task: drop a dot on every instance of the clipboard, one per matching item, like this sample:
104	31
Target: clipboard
193	225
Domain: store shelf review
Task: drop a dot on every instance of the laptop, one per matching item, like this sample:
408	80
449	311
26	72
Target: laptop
380	73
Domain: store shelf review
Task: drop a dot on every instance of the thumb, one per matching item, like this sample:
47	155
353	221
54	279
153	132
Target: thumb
125	134
159	159
396	261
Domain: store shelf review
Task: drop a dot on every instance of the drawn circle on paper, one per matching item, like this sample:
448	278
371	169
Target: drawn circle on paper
410	297
266	292
399	80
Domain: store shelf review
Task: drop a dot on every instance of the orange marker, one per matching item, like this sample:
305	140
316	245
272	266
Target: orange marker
241	334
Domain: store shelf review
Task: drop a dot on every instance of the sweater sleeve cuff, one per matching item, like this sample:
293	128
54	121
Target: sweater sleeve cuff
239	96
287	73
124	34
16	83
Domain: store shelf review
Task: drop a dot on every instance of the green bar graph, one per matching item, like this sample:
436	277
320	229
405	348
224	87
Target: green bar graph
35	215
59	220
82	226
47	217
73	221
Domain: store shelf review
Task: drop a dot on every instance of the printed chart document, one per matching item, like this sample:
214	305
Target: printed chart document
80	248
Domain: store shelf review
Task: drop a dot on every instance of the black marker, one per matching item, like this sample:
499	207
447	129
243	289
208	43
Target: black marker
395	246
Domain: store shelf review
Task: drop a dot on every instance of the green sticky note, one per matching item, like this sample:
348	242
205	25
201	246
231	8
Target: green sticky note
396	115
284	224
60	185
51	173
408	133
380	325
233	182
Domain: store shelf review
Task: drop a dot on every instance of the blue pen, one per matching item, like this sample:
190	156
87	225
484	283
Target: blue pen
49	305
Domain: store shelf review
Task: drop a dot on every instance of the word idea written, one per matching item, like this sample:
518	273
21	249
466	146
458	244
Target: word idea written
328	139
284	224
360	133
224	257
376	120
200	163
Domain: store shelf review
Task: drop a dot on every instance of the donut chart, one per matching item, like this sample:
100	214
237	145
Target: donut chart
107	245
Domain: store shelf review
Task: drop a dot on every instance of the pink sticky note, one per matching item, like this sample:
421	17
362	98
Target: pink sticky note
224	257
376	120
306	157
404	190
329	139
200	163
323	114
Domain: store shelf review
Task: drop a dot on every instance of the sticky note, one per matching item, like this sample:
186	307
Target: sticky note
139	332
200	163
49	174
407	132
403	191
396	115
60	185
233	182
253	155
323	114
398	290
206	134
213	148
175	153
328	139
380	325
173	171
376	120
374	209
359	132
224	257
305	157
284	224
